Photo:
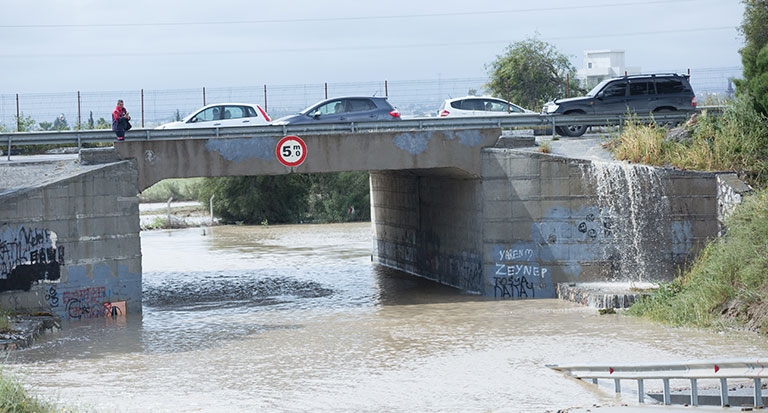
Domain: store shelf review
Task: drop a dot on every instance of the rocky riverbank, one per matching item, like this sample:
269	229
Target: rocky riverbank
23	330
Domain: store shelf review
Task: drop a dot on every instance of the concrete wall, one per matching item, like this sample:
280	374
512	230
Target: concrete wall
72	246
428	224
535	220
550	220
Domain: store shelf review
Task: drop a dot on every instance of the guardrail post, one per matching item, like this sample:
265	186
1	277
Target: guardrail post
9	147
694	392
640	391
553	127
723	392
617	384
667	396
758	393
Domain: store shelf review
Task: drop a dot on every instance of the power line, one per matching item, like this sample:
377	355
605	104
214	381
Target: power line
342	19
348	48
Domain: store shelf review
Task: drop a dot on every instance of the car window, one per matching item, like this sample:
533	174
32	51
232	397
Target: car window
335	106
209	114
469	104
359	105
615	90
250	112
500	106
668	86
640	87
234	112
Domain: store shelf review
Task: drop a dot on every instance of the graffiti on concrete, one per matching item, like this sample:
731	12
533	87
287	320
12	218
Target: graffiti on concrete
593	227
28	255
85	302
517	274
52	297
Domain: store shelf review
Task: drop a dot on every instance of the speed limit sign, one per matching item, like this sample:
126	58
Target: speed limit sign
291	151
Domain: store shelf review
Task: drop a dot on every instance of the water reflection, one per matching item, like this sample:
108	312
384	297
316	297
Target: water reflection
297	318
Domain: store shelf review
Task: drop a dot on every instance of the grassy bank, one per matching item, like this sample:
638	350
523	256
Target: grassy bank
15	399
725	287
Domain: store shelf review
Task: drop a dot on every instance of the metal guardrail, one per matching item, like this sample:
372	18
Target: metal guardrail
78	137
722	370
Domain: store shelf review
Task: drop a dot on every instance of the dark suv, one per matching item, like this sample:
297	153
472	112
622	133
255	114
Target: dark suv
650	93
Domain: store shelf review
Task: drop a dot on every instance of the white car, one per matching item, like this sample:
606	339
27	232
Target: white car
479	106
222	115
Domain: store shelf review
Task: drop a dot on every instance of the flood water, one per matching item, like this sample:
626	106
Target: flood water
298	319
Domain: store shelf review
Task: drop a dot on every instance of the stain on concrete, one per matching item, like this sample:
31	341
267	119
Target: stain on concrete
243	149
413	142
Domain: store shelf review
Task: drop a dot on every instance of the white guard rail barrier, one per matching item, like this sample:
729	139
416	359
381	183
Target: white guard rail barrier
722	370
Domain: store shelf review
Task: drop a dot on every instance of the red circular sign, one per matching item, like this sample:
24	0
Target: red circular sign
291	151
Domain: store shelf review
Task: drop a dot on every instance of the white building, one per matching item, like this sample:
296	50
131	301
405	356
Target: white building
603	64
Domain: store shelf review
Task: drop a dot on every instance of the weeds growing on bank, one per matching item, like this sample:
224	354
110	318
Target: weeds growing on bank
183	189
736	140
726	285
15	399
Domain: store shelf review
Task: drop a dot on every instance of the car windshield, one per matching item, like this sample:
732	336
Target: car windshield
595	90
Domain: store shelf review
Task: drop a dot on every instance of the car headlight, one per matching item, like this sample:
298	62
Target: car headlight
550	108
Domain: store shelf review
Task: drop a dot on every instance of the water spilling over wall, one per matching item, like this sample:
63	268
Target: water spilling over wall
550	220
634	212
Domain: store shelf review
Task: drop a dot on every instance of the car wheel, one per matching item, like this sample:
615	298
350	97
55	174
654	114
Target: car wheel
573	131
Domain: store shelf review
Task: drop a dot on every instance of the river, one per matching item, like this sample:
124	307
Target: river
298	319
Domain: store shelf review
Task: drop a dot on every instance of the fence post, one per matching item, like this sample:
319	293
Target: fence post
203	95
79	118
386	88
266	108
326	89
18	117
142	107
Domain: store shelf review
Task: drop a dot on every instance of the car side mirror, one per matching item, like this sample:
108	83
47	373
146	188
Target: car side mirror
316	114
600	95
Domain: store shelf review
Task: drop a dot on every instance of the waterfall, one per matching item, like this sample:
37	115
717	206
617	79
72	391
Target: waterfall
634	212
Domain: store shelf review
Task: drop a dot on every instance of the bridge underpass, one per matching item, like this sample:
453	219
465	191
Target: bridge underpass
459	207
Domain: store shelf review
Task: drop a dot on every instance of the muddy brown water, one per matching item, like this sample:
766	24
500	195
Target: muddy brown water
298	319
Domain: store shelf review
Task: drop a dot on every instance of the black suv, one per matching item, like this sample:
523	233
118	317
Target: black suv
650	93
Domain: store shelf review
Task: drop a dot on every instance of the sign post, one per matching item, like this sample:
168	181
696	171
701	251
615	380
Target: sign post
291	151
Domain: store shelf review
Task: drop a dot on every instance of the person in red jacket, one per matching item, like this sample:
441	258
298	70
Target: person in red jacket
120	118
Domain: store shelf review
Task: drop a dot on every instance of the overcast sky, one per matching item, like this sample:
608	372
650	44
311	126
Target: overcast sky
99	45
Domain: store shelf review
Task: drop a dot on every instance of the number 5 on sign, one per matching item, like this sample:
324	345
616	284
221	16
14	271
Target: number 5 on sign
291	151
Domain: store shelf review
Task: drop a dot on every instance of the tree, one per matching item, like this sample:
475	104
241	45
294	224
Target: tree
340	197
24	124
278	199
754	55
530	73
60	123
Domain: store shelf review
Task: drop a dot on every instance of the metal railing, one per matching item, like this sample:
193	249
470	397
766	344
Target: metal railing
78	137
722	370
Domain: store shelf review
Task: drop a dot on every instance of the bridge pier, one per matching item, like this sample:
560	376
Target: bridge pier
69	239
533	221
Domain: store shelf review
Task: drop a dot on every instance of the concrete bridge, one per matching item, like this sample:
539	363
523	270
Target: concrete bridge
466	208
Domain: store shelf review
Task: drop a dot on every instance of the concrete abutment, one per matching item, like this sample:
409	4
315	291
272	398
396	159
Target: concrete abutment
536	221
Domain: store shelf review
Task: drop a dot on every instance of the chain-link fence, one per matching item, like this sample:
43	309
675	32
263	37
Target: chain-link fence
150	108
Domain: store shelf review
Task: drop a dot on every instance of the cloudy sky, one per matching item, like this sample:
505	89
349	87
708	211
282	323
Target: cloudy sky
98	45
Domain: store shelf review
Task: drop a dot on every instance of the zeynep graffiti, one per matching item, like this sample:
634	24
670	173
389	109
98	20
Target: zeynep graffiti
28	255
518	274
